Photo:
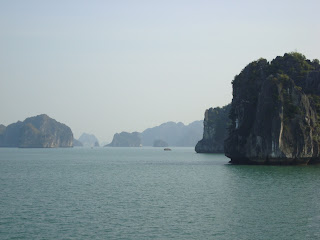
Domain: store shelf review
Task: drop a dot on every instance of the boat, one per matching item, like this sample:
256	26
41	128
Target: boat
167	149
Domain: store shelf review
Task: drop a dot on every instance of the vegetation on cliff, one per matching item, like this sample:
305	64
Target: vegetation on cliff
275	112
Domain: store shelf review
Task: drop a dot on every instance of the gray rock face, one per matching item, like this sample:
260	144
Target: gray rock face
215	131
36	132
125	139
275	112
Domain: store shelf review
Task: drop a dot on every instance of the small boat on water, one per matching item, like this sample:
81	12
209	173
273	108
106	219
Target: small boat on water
167	149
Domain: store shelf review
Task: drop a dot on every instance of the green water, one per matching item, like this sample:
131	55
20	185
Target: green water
148	193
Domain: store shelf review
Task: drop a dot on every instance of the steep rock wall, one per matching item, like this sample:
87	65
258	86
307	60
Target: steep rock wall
275	112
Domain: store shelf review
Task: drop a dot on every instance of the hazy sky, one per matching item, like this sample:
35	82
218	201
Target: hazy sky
109	66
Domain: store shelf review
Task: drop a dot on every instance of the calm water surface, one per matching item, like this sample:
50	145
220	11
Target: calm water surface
147	193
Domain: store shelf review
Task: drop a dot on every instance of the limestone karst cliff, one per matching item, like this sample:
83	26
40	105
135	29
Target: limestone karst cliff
216	121
275	112
36	132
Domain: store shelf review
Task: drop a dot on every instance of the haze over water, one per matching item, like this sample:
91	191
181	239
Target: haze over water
103	67
147	193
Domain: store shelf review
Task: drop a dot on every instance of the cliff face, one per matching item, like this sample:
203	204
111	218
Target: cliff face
36	132
125	139
275	112
215	124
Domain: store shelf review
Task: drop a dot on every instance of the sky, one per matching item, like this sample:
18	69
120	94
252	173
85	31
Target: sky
103	67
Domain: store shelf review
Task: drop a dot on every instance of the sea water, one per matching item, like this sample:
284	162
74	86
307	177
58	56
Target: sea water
148	193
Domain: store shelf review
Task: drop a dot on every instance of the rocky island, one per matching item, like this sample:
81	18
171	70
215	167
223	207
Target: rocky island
275	112
166	134
125	139
174	134
88	140
216	122
36	132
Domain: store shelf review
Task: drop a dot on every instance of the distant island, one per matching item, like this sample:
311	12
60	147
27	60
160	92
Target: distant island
166	134
88	140
36	132
275	112
174	134
125	139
